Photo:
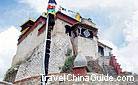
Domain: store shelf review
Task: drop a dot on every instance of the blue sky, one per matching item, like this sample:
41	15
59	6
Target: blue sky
116	20
14	13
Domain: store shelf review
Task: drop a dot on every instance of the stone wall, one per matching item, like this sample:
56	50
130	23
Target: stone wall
103	60
35	80
11	74
88	47
33	66
27	45
59	46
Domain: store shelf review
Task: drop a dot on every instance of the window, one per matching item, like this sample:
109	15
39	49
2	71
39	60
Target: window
101	50
85	32
68	30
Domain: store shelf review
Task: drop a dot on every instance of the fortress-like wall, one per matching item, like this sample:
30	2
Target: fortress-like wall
59	46
33	66
32	61
27	45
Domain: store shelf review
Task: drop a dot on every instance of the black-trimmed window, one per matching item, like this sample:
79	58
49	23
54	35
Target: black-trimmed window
85	33
68	30
101	50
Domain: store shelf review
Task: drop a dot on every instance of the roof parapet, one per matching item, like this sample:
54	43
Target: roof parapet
88	22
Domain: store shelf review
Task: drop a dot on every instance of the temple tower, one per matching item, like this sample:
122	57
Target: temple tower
66	33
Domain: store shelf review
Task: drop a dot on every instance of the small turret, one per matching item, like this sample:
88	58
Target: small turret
80	66
80	61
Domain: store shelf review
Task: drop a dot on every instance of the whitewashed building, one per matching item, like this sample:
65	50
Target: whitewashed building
67	33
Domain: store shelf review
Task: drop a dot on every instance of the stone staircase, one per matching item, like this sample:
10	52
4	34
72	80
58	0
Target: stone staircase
109	70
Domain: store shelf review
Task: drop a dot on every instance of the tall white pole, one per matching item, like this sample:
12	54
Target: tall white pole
45	38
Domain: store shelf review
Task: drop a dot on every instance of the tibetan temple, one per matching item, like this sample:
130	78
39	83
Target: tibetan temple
57	44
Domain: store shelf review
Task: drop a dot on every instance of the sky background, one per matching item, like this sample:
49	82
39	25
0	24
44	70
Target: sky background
116	19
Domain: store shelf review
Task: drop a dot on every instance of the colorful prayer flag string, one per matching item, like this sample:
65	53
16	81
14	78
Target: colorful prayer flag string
51	6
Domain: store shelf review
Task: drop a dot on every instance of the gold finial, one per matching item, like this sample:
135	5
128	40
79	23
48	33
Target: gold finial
78	17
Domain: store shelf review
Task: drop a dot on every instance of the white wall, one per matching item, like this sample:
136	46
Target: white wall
107	51
88	47
27	45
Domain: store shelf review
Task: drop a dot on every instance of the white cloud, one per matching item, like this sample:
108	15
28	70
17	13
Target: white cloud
127	55
131	30
39	5
129	52
8	46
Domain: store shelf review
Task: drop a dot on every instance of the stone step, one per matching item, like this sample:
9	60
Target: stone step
109	70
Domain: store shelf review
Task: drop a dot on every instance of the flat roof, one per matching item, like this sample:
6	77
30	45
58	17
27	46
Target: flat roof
105	45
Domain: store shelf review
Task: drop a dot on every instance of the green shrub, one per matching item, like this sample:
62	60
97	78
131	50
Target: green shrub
68	65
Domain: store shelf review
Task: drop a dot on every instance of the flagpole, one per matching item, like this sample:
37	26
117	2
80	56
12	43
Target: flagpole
45	39
45	57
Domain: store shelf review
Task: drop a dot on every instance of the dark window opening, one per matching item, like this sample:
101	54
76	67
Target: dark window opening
101	50
68	30
75	34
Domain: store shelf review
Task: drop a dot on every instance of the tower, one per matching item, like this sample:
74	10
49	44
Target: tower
63	33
